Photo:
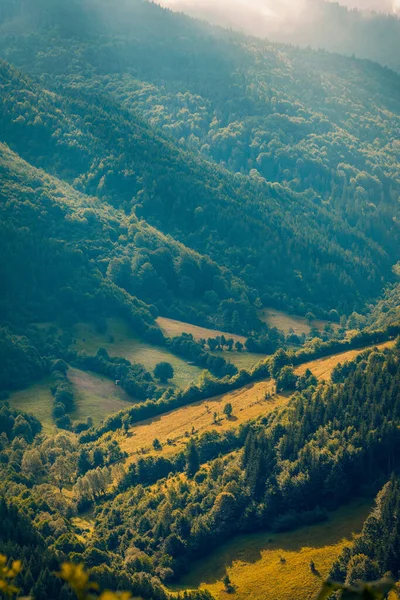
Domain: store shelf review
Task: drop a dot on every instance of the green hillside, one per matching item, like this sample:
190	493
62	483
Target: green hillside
199	308
308	121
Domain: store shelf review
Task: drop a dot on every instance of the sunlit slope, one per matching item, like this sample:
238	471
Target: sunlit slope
247	403
172	327
277	565
323	367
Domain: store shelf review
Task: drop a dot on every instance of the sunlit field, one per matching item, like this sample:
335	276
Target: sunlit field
36	400
323	367
248	403
95	396
277	565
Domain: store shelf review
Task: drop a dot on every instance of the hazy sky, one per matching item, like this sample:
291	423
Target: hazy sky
275	8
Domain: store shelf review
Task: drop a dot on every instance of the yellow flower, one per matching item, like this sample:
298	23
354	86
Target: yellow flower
107	595
7	574
77	578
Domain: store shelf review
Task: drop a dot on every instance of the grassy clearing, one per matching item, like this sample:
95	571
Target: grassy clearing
286	322
241	360
96	396
248	403
253	562
322	367
36	400
171	328
118	340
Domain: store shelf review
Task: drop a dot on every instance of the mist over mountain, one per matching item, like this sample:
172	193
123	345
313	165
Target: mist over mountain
367	29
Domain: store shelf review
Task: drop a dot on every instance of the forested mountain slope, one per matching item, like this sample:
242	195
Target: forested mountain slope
323	127
270	237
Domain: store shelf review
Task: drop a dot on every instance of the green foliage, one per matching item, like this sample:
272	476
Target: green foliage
313	455
153	165
20	362
377	590
286	380
163	371
245	109
228	410
375	551
192	459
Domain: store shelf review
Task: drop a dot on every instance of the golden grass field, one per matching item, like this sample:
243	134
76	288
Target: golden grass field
171	328
286	322
98	397
322	367
119	341
248	403
253	562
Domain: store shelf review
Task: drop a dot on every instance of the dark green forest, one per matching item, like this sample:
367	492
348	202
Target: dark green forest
154	167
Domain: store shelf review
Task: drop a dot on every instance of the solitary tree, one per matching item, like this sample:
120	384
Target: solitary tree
229	588
286	379
61	472
192	459
157	444
279	360
228	410
310	317
163	371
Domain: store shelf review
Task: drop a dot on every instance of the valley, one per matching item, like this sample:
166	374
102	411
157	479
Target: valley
199	304
173	429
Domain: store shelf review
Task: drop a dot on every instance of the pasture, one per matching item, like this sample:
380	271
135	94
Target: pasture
36	400
96	396
171	328
118	340
286	322
248	403
242	360
277	565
